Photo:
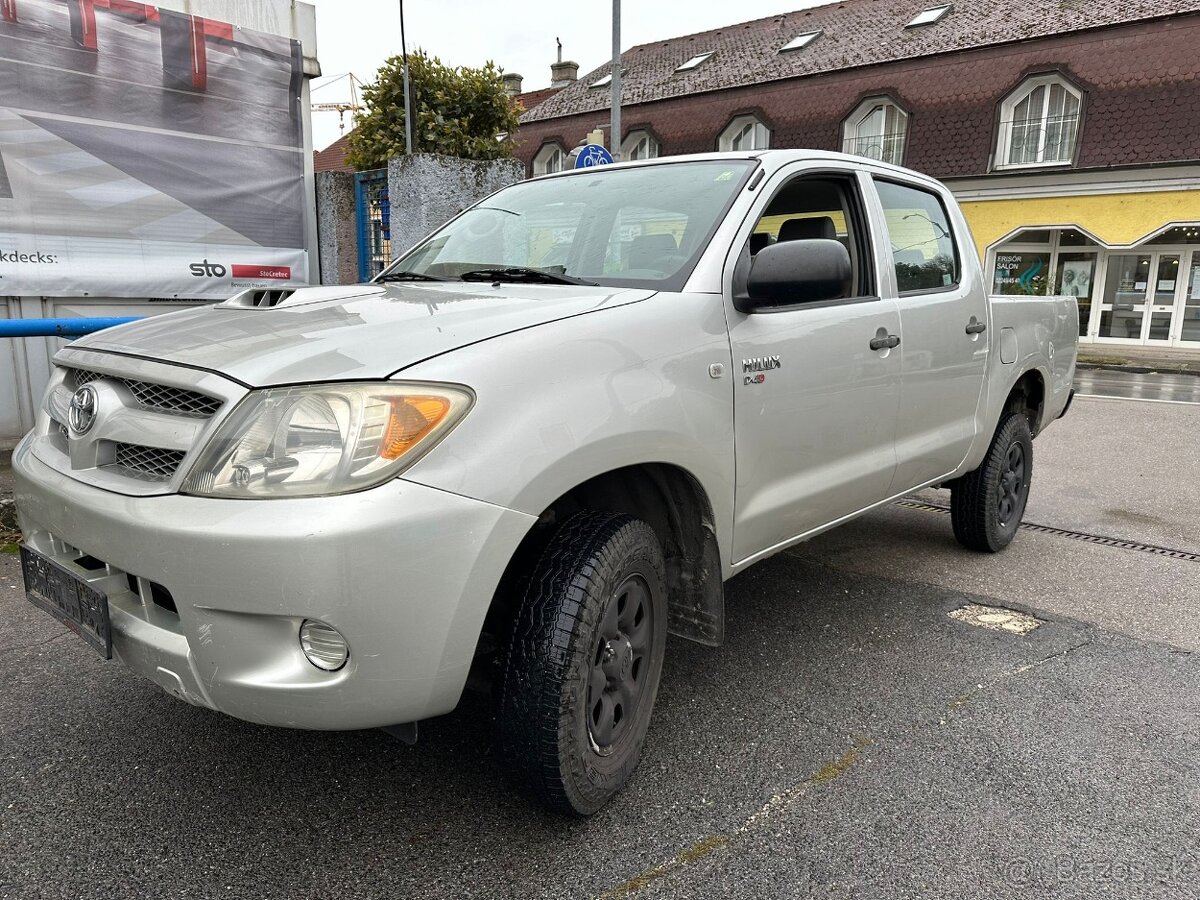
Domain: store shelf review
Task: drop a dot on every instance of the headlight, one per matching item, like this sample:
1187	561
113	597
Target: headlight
324	439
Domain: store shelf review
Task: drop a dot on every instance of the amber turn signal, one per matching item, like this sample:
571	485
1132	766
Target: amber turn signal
410	420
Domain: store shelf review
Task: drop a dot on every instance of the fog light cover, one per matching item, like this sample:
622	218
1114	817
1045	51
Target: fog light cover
323	646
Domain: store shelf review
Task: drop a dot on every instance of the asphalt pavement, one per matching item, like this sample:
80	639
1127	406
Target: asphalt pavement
851	739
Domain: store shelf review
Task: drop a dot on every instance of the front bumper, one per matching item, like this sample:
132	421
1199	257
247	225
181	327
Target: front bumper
404	572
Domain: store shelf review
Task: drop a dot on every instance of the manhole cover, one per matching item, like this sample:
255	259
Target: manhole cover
996	618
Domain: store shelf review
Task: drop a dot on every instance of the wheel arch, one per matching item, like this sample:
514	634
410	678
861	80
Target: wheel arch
1028	397
673	502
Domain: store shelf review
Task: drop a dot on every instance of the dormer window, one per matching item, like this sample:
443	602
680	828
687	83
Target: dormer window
800	41
550	158
639	145
695	62
1039	123
602	81
745	133
876	129
930	16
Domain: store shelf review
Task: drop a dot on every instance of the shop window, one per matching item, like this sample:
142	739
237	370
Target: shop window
1039	123
1069	237
639	145
876	130
1074	277
1041	261
551	158
923	249
745	133
1181	234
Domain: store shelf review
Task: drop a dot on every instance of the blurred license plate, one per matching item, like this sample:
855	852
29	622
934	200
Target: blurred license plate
68	598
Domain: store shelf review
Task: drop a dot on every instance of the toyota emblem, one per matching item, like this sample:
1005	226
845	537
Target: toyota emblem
82	414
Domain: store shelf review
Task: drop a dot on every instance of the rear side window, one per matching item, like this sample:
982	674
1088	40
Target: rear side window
923	247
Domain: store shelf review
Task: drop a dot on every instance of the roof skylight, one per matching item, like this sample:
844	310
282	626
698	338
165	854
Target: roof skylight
800	41
602	81
694	62
930	16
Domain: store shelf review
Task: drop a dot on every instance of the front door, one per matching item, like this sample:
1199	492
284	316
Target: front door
1144	297
814	404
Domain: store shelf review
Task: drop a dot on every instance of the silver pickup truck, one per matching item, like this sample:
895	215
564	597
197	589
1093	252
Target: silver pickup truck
535	445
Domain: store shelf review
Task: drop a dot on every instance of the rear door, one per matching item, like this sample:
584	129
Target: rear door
944	340
814	404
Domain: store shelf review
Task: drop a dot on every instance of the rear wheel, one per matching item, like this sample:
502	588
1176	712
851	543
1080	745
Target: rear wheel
584	662
986	505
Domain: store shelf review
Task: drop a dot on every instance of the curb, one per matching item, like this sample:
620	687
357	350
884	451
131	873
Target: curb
1139	370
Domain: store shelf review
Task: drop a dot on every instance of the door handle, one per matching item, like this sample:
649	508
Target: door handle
885	343
974	327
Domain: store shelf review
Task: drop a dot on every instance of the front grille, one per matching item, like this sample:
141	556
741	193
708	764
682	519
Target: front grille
151	463
156	396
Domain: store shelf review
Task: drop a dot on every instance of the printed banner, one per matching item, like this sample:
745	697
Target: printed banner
147	153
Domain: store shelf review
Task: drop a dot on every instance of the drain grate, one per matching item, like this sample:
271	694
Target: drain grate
1100	539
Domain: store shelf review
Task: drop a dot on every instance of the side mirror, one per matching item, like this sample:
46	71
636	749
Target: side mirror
801	271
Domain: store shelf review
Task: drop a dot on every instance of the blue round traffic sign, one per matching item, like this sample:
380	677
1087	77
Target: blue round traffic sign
592	155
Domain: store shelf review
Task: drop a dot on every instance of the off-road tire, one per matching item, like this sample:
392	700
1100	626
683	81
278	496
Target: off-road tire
987	504
544	726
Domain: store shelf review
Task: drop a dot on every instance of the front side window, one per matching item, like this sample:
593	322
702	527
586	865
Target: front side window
876	130
923	248
643	226
745	133
639	145
819	207
1039	124
551	158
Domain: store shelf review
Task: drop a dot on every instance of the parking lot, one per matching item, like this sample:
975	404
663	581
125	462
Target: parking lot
850	739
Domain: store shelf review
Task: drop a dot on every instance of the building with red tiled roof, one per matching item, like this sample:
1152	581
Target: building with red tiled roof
333	157
1070	129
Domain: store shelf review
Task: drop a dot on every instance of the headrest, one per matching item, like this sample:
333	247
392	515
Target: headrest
807	229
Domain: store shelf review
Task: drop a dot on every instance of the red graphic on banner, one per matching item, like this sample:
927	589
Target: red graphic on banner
282	273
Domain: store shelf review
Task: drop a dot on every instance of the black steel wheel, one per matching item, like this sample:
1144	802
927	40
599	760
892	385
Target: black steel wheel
986	505
617	678
583	664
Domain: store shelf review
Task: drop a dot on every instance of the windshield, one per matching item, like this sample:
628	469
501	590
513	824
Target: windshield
643	226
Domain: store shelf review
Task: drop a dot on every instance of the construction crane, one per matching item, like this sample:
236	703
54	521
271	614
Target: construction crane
342	107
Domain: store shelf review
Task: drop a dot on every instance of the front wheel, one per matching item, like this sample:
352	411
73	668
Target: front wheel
986	505
584	662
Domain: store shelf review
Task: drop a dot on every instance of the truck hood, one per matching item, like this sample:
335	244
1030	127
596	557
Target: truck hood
354	332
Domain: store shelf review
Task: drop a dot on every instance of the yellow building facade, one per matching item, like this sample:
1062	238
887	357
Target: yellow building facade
1125	243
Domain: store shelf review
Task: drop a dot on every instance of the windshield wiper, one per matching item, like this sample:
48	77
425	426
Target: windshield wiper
522	274
408	276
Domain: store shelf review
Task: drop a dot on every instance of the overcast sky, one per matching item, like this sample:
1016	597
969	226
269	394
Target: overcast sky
358	35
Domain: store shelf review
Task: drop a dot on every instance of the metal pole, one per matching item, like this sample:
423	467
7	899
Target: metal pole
408	128
614	139
11	328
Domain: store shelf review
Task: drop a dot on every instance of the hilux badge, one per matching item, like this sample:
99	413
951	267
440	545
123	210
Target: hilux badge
82	413
759	365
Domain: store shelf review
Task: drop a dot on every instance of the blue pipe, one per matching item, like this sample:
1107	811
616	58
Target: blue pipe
60	327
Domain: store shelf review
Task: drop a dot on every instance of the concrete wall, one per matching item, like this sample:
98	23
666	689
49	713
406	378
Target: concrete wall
337	234
427	190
